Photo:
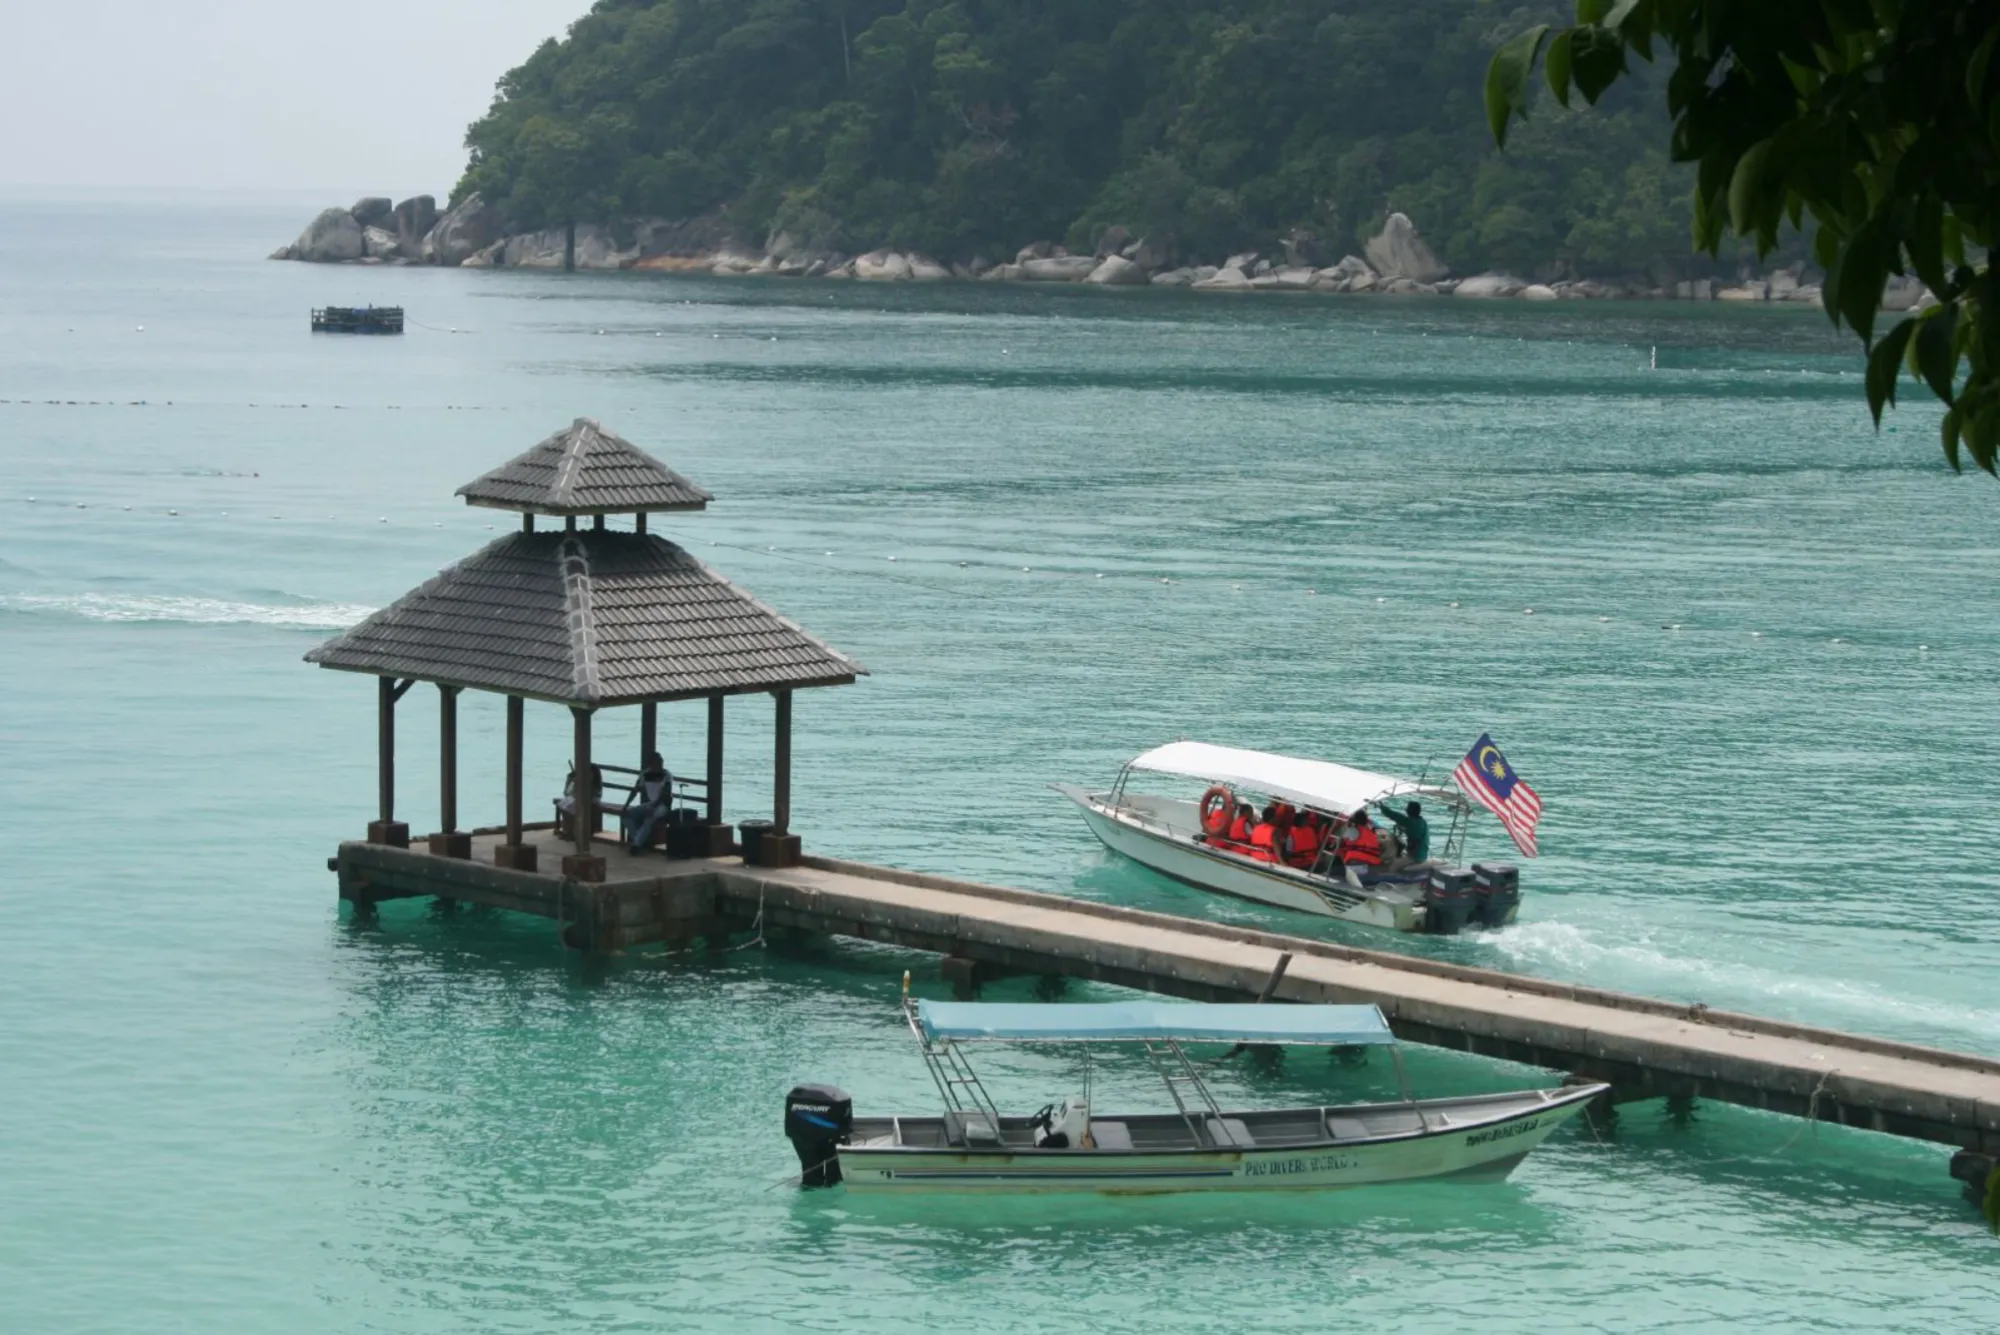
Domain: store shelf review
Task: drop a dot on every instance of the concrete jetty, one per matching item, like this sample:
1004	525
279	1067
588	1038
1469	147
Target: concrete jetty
1643	1048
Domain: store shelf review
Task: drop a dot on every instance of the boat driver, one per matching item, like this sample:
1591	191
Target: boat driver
1415	829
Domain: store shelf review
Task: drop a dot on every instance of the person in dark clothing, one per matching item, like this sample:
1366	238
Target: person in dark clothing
652	798
1415	829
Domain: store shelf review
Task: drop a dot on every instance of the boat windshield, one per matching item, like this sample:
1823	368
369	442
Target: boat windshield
1140	1021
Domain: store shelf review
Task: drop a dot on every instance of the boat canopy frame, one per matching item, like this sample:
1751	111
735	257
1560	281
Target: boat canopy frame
942	1030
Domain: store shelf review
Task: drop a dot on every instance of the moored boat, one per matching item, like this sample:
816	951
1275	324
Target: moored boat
1411	889
1196	1146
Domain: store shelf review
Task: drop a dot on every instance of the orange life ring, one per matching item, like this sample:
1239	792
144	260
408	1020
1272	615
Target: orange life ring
1218	805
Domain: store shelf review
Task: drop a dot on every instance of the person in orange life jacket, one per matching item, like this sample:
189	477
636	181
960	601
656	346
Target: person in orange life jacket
1362	847
1246	821
1302	845
1264	838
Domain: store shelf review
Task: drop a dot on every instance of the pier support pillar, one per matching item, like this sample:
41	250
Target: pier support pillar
449	841
649	731
1975	1170
386	829
583	864
513	853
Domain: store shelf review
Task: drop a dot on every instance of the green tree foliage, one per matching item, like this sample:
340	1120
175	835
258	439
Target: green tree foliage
1876	122
962	127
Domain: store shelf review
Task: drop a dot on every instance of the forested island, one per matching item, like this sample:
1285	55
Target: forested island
966	137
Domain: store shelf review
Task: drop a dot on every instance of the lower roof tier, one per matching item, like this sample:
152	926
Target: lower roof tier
587	618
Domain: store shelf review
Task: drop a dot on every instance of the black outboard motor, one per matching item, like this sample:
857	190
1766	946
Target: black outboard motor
1498	892
1447	900
818	1120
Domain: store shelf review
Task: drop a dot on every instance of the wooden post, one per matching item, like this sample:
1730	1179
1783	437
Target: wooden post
527	523
516	707
640	526
448	842
447	758
513	853
385	748
583	820
715	760
386	829
582	864
720	842
781	846
781	778
649	731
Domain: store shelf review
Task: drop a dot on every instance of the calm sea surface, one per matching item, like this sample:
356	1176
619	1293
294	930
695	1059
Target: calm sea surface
1059	526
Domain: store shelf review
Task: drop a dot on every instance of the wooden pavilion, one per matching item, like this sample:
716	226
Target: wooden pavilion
592	618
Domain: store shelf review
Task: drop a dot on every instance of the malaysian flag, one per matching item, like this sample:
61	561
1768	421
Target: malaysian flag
1484	774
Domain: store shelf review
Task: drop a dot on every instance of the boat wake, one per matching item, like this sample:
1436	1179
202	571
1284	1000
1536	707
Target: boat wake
1574	954
185	610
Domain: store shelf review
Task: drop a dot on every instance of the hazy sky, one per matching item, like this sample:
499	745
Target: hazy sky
346	96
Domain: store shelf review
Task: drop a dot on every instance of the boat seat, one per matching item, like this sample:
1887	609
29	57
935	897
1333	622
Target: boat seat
1347	1128
1111	1135
1229	1131
972	1130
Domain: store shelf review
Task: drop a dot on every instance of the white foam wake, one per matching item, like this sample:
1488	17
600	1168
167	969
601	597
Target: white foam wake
193	611
1565	950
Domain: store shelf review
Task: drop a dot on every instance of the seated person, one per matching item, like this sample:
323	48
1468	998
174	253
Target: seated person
566	804
1264	837
1302	845
1416	831
1240	827
652	797
1360	849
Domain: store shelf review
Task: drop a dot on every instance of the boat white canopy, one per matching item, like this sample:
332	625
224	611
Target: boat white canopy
1312	783
1133	1021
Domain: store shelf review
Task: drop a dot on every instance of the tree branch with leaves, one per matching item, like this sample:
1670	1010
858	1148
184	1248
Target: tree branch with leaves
1874	121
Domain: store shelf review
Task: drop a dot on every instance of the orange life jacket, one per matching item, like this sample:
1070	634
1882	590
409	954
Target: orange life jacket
1363	848
1239	830
1264	842
1302	848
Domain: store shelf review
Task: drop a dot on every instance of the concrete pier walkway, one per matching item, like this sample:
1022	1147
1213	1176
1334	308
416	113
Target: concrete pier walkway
1644	1048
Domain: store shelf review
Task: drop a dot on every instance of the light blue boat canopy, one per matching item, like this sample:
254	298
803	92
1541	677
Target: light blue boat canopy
1132	1021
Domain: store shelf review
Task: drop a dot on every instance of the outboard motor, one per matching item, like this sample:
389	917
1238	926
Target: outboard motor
1447	900
1498	893
818	1120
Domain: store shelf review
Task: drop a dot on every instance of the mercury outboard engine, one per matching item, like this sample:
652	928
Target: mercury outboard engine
1447	900
1498	892
818	1120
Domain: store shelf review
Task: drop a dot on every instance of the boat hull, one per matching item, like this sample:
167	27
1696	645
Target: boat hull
1483	1150
1205	869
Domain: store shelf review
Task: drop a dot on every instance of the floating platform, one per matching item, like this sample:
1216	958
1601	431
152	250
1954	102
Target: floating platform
358	320
1643	1048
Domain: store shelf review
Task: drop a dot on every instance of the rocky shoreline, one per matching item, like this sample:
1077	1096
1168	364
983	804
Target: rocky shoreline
1396	262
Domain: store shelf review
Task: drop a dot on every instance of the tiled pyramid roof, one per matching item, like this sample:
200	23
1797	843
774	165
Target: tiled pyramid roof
589	618
585	470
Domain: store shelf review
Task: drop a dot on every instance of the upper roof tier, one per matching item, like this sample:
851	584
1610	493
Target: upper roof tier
585	470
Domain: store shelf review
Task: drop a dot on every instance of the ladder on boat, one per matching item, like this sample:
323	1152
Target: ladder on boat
958	1083
1179	1075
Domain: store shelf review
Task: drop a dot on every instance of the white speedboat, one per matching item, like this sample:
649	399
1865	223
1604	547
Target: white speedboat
1167	833
1196	1146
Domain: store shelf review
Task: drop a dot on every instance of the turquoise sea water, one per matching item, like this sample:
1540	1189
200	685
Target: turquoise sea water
1754	692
